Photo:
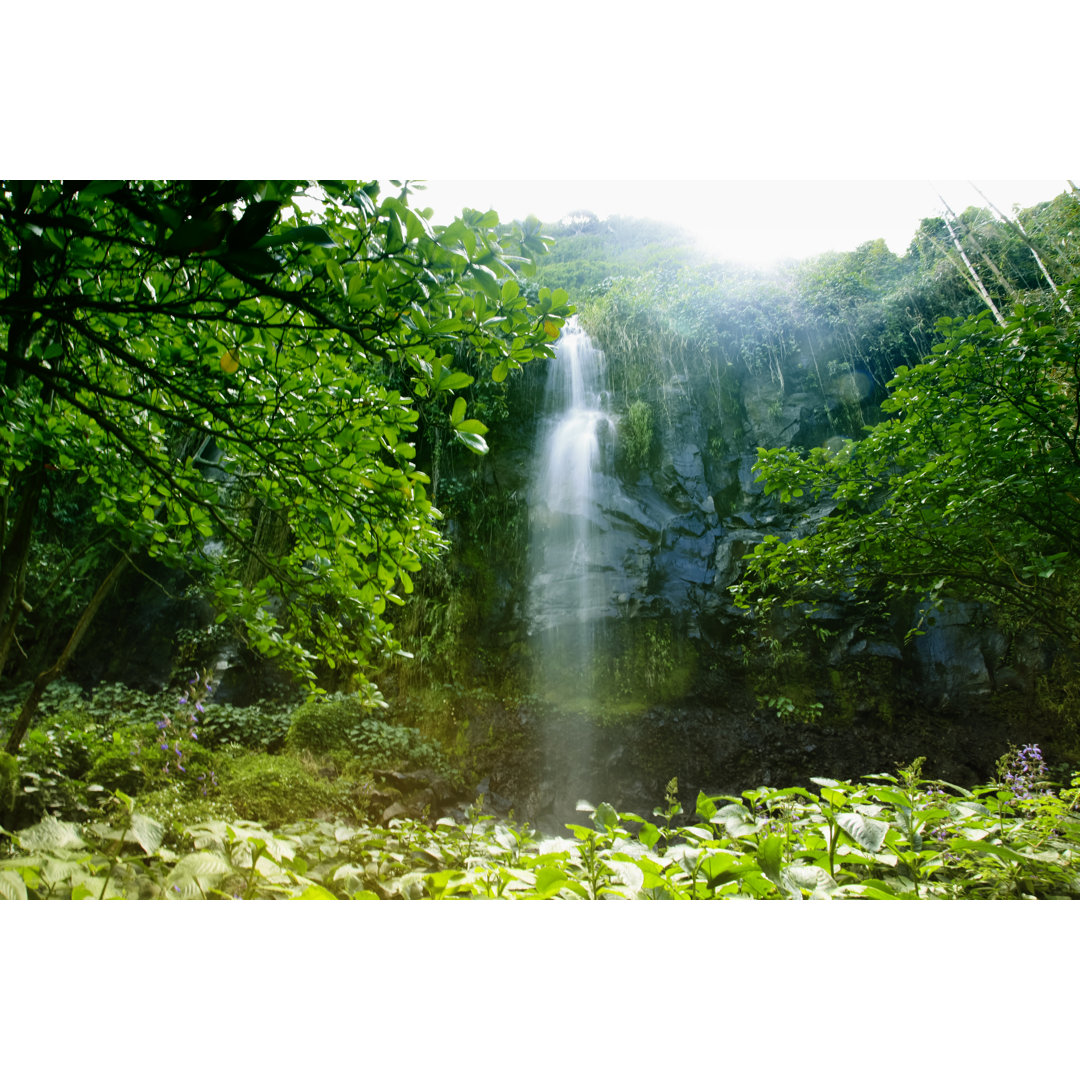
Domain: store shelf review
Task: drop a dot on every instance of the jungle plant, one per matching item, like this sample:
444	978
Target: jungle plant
885	837
228	378
964	493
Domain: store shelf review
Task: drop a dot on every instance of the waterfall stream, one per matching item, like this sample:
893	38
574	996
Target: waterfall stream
573	482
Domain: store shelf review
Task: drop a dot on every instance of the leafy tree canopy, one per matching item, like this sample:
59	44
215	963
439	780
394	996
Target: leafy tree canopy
971	489
229	377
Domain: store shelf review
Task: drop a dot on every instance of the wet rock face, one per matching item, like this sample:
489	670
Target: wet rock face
542	778
675	535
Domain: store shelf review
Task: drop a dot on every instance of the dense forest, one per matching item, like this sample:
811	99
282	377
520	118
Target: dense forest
269	612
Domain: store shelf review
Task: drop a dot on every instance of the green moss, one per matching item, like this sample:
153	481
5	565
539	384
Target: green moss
9	782
278	789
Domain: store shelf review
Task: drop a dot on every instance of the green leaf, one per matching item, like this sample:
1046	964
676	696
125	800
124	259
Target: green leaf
813	879
147	832
549	880
50	834
500	371
256	222
717	865
769	855
316	892
648	835
194	874
12	886
606	816
457	413
475	443
303	234
868	833
455	380
473	427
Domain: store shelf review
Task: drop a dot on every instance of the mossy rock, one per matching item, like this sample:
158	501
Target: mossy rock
278	789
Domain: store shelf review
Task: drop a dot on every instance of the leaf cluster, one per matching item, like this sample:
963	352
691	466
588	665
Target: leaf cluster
886	837
967	491
235	375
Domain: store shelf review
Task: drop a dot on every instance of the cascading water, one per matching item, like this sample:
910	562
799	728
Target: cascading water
569	595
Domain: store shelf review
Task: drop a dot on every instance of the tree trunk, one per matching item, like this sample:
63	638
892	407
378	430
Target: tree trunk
976	280
1018	227
33	699
13	560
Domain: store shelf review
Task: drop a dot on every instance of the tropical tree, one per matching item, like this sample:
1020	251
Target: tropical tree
971	489
229	377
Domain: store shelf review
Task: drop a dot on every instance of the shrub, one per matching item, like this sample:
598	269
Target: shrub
273	790
257	727
343	723
323	725
635	436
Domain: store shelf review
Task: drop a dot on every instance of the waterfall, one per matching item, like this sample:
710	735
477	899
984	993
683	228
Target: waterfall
573	481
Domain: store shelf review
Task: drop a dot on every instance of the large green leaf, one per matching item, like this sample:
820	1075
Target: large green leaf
549	880
769	854
867	832
147	832
799	877
50	834
12	886
195	874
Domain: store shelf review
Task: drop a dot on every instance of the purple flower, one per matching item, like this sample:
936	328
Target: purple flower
198	705
164	746
193	735
183	700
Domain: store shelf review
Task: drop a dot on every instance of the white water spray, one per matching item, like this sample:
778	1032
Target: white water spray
567	528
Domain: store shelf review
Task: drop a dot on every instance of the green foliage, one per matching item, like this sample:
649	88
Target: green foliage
885	837
275	789
382	745
968	491
588	253
342	722
324	723
9	782
241	391
636	436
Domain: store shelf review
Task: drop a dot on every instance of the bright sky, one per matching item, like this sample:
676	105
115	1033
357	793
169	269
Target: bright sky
753	221
768	130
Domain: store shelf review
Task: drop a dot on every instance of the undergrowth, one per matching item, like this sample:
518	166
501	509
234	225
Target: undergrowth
883	837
